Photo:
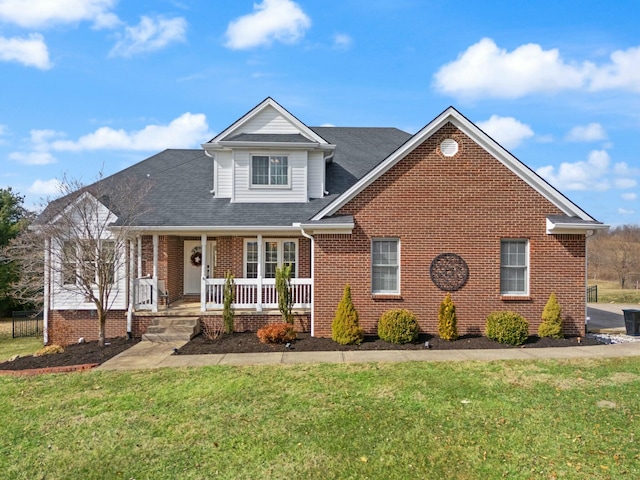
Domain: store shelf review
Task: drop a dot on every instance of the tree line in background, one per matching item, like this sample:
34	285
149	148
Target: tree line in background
614	255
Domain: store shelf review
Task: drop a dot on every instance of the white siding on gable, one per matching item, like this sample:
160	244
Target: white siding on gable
316	180
296	192
224	171
268	120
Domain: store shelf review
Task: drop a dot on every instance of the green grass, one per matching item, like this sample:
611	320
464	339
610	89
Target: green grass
15	346
610	292
516	420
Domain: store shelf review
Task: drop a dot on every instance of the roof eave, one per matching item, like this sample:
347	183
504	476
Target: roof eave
573	228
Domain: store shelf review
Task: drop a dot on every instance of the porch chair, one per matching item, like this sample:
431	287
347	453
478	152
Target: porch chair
163	292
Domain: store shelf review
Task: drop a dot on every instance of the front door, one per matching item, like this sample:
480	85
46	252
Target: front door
193	264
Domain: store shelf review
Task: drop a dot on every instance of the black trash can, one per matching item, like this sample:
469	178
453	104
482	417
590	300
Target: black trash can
632	321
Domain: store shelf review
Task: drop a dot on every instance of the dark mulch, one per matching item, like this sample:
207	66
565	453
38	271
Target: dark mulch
76	354
248	343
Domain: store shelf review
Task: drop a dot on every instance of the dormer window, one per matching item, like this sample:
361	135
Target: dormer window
269	170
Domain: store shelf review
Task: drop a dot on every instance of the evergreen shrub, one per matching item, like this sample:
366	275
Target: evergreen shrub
507	327
398	326
345	328
551	325
447	320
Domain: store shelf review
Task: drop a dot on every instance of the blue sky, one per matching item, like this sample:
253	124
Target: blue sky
97	85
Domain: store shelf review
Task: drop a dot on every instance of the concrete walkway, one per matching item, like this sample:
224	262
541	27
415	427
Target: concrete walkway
146	355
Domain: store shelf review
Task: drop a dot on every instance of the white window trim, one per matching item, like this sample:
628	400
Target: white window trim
527	268
261	255
286	186
385	292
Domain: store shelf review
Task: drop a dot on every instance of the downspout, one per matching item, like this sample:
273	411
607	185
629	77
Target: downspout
131	290
313	284
588	233
45	313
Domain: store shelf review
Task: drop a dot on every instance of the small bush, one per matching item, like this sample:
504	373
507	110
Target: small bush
507	327
49	350
277	333
398	326
345	328
551	325
212	328
447	320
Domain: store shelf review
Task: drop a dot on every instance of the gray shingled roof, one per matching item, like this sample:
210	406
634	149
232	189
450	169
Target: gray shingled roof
181	182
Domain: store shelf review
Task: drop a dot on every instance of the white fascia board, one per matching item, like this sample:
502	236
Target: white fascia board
340	228
572	228
224	230
482	139
270	102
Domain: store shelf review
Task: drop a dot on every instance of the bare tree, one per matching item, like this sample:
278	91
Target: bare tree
615	255
80	242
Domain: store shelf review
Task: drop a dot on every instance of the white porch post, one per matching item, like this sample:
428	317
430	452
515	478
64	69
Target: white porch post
45	313
155	271
130	272
139	238
203	274
259	279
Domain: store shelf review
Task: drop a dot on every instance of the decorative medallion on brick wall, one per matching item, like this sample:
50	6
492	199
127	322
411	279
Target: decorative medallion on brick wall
449	272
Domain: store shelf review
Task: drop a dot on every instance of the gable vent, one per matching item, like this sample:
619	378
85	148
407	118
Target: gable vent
449	147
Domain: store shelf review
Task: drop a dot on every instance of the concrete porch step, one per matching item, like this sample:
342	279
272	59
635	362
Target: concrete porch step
172	329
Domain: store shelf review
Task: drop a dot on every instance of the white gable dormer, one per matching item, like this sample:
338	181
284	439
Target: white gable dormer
268	156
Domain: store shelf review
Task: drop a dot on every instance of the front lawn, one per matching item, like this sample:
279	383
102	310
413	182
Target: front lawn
516	420
15	346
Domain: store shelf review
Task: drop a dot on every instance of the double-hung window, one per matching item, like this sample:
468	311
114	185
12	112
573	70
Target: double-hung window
84	260
270	170
275	253
385	266
514	267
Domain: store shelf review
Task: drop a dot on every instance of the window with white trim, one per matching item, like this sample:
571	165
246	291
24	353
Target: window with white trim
385	266
84	260
514	267
269	170
275	253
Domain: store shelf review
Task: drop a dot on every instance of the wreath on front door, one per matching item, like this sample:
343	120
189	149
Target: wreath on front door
196	257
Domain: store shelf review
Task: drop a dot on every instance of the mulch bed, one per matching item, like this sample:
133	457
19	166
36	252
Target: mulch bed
84	354
76	354
248	343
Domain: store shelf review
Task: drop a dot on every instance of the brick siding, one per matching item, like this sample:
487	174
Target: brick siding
465	205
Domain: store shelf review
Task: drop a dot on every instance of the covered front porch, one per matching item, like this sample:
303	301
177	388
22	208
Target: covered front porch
170	270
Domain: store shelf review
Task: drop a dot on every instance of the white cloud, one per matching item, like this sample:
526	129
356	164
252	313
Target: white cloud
30	51
507	131
623	170
622	73
624	183
279	20
586	133
485	70
39	153
342	41
45	187
32	158
45	13
589	175
624	211
629	196
150	35
186	131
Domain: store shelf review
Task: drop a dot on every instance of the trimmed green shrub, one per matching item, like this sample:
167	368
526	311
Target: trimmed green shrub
398	326
277	333
285	296
551	325
447	320
507	327
345	328
228	297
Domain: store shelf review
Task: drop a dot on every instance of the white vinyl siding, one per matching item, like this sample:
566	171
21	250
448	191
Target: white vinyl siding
316	175
224	177
514	267
268	120
295	191
385	266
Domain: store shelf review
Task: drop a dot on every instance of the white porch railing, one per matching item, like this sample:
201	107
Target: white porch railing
145	291
248	289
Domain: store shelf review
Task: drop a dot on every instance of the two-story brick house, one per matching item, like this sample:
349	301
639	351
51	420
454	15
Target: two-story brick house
402	218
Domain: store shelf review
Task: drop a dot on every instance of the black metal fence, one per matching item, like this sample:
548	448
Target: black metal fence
28	323
592	294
